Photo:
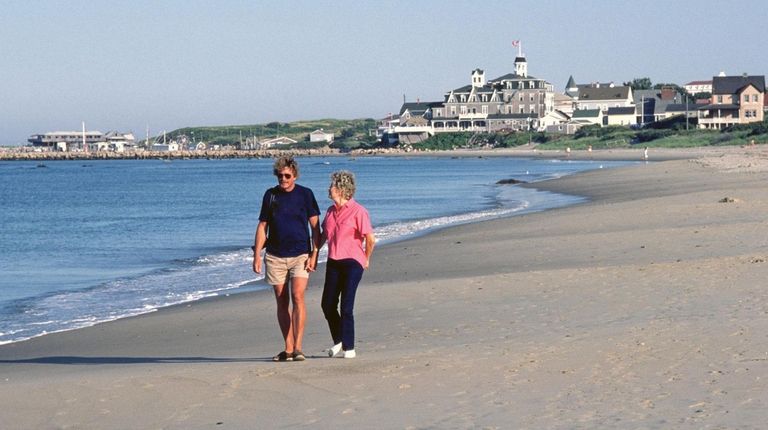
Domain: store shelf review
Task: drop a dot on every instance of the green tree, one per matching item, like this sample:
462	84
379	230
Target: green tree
640	84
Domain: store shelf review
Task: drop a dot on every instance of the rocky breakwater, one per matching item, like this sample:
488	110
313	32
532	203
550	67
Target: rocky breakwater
26	155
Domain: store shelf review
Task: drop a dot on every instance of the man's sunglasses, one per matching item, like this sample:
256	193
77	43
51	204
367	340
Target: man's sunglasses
283	175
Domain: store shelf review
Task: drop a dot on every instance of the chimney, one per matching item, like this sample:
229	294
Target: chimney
668	93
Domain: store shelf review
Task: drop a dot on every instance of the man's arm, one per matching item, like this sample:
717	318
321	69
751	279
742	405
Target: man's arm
314	224
258	245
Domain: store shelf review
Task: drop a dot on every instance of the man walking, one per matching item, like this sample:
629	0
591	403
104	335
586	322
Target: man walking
289	230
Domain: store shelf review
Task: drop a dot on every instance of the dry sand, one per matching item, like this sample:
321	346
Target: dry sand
644	308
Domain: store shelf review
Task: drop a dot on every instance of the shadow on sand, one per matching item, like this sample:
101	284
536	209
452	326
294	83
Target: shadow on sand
75	360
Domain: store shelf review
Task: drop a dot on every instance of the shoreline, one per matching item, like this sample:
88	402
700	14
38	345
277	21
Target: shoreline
428	226
643	307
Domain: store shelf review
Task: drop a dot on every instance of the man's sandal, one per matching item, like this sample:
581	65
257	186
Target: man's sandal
283	356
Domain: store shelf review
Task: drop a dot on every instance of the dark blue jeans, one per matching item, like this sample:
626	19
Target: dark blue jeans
341	280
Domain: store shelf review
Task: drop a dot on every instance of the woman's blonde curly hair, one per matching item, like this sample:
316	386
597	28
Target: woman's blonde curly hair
344	181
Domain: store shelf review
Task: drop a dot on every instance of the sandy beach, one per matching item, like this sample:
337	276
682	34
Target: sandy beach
644	308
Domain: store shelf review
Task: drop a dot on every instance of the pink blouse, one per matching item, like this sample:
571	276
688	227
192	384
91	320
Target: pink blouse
345	229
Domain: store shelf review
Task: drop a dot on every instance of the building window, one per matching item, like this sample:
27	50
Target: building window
746	98
485	109
754	97
719	99
453	110
463	110
522	110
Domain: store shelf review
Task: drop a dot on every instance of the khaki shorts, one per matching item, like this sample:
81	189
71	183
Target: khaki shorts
280	270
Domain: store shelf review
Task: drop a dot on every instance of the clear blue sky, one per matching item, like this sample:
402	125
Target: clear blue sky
126	65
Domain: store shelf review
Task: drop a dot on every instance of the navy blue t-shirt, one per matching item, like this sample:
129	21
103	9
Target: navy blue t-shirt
287	215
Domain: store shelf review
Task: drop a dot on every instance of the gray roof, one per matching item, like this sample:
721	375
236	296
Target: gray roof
418	108
720	106
603	93
464	89
510	76
586	113
652	98
733	84
680	107
571	83
621	110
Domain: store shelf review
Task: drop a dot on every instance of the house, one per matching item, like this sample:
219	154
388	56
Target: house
553	118
165	147
588	117
675	109
514	101
695	87
621	116
94	141
118	142
603	96
414	123
735	100
67	140
651	105
569	127
564	103
320	136
277	141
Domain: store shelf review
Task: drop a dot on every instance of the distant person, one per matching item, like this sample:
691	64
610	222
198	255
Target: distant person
289	227
645	153
347	229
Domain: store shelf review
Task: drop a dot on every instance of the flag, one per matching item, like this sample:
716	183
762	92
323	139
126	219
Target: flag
515	43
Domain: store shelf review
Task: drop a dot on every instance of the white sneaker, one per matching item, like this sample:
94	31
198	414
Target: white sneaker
335	350
350	354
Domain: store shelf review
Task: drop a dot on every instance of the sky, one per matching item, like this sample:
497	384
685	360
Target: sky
130	66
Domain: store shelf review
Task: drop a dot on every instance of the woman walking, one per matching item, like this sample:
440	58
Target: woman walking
347	229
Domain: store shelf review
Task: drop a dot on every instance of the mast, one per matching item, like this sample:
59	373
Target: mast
85	145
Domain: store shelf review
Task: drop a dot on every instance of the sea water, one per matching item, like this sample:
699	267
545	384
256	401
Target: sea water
84	242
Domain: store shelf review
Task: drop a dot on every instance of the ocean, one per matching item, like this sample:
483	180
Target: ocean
83	242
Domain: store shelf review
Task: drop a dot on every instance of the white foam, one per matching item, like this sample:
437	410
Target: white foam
209	275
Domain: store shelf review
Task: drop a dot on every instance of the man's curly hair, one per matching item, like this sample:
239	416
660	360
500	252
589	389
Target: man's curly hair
286	161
